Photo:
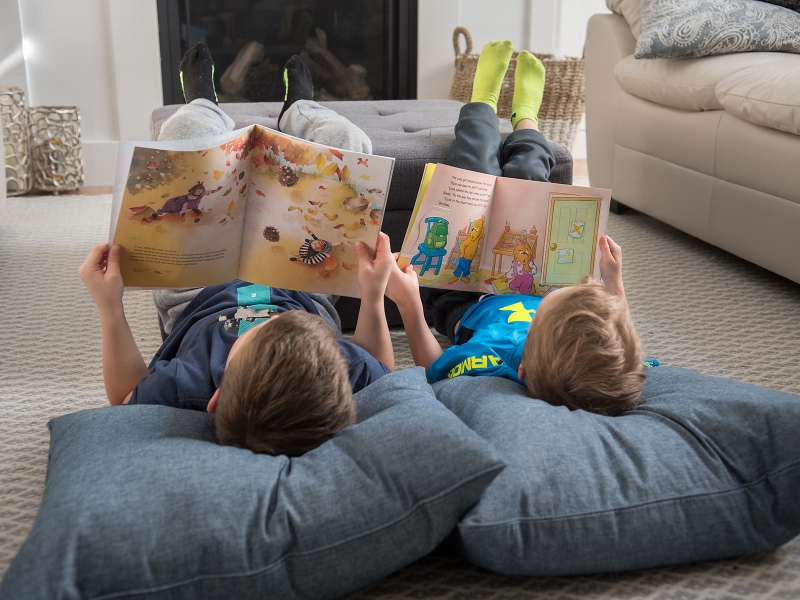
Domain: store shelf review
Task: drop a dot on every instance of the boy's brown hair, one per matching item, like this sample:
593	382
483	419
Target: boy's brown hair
287	390
583	352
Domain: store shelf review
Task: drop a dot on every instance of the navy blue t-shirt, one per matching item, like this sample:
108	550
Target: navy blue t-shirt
188	368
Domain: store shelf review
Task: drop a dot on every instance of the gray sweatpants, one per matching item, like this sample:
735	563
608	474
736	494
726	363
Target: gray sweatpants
304	119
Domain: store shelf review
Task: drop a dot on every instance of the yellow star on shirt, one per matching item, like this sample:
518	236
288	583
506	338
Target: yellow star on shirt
519	313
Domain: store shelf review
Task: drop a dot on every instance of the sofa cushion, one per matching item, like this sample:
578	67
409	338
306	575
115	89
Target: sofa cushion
673	29
688	83
768	95
141	502
630	10
708	468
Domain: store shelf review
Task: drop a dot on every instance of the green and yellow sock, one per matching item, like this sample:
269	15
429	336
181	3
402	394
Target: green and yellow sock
492	67
297	82
197	74
528	88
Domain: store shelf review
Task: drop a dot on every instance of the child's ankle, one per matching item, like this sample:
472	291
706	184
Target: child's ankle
526	124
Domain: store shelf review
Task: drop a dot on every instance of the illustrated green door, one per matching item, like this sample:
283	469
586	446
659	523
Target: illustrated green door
571	240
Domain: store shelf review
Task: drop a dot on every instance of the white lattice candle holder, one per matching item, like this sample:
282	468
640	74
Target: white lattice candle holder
55	144
14	121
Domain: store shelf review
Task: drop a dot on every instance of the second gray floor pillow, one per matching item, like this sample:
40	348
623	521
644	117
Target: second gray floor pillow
708	468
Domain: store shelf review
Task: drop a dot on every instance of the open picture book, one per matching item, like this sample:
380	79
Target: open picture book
253	204
476	232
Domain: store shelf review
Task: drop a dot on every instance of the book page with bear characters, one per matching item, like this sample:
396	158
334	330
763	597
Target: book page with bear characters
543	234
446	238
307	207
476	232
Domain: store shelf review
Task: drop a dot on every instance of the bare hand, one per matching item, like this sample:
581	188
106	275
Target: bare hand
101	276
403	286
611	265
373	273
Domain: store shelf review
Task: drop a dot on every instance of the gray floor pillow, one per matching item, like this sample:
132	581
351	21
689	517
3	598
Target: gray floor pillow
708	468
141	502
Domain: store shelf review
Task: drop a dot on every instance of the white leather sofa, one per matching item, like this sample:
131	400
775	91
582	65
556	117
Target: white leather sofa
708	145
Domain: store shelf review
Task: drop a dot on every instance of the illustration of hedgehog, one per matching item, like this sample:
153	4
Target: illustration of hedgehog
271	234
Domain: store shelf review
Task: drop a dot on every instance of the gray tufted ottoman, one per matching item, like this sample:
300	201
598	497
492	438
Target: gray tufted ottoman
415	132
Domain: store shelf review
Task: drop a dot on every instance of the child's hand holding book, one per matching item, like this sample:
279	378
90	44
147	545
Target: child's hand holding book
611	265
100	274
403	287
373	273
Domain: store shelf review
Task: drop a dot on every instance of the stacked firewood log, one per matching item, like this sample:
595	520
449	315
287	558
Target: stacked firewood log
252	77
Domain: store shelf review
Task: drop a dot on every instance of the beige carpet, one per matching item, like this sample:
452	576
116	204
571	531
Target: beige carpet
694	305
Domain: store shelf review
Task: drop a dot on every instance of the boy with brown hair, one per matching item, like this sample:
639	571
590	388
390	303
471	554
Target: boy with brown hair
270	362
281	384
581	349
314	397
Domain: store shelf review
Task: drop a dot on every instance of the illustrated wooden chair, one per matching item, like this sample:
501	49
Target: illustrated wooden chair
432	256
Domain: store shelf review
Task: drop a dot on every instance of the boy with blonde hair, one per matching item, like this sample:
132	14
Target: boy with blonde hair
581	349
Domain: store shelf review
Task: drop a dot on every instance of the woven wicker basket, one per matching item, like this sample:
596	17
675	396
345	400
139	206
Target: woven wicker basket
564	92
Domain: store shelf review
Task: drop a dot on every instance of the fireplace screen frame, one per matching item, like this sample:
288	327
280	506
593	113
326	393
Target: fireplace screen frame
400	43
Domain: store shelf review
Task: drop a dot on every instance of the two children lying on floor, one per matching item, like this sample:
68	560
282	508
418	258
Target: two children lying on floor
289	380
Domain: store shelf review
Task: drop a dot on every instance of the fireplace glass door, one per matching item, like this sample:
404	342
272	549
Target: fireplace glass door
355	49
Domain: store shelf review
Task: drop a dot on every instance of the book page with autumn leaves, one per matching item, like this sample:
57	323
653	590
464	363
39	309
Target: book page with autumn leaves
256	204
320	201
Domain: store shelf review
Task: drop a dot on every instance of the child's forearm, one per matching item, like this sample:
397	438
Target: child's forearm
372	332
123	365
615	287
424	347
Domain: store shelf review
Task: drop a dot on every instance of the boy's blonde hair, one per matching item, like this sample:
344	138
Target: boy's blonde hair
583	352
287	390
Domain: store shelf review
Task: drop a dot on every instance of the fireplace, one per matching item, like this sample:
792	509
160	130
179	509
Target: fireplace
356	49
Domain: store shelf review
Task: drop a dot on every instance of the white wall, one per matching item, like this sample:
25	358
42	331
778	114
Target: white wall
12	58
99	55
136	65
12	67
574	17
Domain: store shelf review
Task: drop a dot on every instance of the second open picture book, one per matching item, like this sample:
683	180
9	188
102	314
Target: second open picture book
476	232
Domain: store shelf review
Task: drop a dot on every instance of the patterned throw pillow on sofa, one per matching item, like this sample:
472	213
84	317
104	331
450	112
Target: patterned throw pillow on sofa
693	28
